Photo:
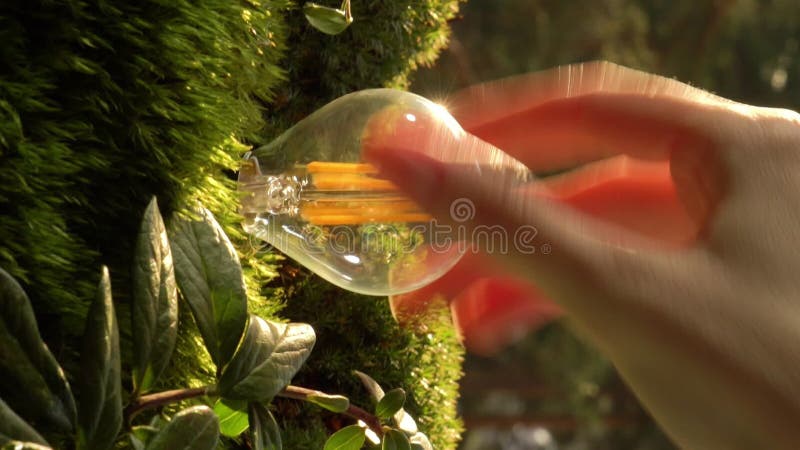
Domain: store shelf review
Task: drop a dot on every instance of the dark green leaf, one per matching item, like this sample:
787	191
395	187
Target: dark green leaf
232	416
195	428
155	301
264	431
395	440
13	427
328	20
269	356
210	278
32	383
100	417
19	445
335	403
391	403
348	438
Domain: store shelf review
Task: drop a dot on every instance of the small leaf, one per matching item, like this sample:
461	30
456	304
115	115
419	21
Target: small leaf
391	403
195	428
402	419
395	440
335	403
264	431
33	383
374	389
210	278
328	20
19	445
348	438
419	441
154	303
269	356
405	422
232	417
13	427
100	416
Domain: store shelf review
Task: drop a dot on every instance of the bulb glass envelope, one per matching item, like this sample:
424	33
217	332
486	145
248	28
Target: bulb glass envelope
310	195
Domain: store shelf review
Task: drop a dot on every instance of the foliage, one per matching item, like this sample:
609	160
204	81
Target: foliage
100	417
328	20
266	358
195	428
387	41
26	360
154	313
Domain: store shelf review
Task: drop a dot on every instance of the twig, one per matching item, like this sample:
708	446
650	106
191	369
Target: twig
301	393
164	398
294	392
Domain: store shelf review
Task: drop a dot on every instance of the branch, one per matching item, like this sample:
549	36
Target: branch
294	392
164	398
301	393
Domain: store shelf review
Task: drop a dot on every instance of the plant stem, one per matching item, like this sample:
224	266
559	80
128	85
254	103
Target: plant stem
294	392
301	393
139	404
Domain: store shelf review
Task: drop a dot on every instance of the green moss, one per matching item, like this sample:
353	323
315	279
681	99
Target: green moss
105	104
387	41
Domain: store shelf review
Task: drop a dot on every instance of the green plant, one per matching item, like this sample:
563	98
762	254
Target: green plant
256	359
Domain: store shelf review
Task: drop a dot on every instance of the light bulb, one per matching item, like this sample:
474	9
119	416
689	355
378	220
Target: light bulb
309	194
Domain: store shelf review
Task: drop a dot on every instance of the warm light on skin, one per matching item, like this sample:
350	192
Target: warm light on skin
706	335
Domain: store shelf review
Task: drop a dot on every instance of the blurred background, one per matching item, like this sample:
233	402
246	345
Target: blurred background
551	391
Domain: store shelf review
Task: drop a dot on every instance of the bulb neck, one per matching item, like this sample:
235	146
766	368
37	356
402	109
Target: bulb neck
273	194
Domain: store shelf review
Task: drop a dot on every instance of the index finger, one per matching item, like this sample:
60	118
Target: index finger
566	116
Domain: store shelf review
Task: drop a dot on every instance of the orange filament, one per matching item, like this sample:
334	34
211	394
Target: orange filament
355	177
355	219
334	167
350	182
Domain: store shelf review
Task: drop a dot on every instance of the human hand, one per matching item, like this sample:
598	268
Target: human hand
673	252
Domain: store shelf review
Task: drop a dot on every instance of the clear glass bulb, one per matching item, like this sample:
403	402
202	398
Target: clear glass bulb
310	195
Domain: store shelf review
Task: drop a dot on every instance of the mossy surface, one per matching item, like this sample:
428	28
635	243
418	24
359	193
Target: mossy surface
105	104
